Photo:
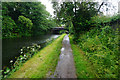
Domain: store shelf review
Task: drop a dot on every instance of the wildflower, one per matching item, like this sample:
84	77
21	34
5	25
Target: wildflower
21	58
11	61
8	71
21	49
21	52
24	55
33	49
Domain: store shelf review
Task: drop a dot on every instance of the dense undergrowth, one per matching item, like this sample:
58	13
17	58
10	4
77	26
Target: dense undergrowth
105	19
83	67
101	49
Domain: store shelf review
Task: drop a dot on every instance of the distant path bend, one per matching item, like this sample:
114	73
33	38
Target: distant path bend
65	67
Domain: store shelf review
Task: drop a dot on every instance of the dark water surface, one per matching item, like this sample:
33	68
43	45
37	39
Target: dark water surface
11	47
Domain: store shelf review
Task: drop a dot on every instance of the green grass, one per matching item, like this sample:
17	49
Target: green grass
83	67
41	64
101	48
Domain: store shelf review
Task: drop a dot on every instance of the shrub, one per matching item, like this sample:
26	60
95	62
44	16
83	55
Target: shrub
101	49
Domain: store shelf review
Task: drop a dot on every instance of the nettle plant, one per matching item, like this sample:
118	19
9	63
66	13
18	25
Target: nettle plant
101	49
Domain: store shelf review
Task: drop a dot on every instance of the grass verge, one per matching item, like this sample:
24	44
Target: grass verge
41	63
83	67
101	48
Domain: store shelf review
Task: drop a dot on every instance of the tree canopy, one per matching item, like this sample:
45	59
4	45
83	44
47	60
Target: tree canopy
76	15
25	19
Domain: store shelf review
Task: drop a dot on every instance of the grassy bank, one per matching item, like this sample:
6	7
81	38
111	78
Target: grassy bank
101	49
41	64
83	67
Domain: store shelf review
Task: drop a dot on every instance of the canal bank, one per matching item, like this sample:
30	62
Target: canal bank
11	48
41	63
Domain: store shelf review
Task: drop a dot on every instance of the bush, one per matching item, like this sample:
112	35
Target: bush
101	49
25	25
8	26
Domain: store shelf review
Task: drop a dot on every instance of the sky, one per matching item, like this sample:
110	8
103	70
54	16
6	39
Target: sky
111	11
48	5
111	3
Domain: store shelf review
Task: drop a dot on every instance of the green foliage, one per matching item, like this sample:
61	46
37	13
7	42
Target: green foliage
105	19
41	63
31	18
83	67
93	33
25	25
76	16
101	49
25	54
62	31
25	21
8	27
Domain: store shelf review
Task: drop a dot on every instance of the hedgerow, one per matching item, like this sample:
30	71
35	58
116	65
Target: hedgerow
101	49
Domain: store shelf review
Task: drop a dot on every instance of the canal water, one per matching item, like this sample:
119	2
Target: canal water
11	47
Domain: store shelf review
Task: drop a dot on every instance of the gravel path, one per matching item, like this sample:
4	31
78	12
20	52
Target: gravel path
65	67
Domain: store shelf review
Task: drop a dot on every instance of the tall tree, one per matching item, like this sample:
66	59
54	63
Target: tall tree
77	13
35	12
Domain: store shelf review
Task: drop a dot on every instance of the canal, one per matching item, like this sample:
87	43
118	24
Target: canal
11	47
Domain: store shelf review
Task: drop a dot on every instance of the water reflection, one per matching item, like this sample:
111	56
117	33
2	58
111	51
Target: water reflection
11	47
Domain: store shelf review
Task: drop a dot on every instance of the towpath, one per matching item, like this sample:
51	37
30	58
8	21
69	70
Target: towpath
65	67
